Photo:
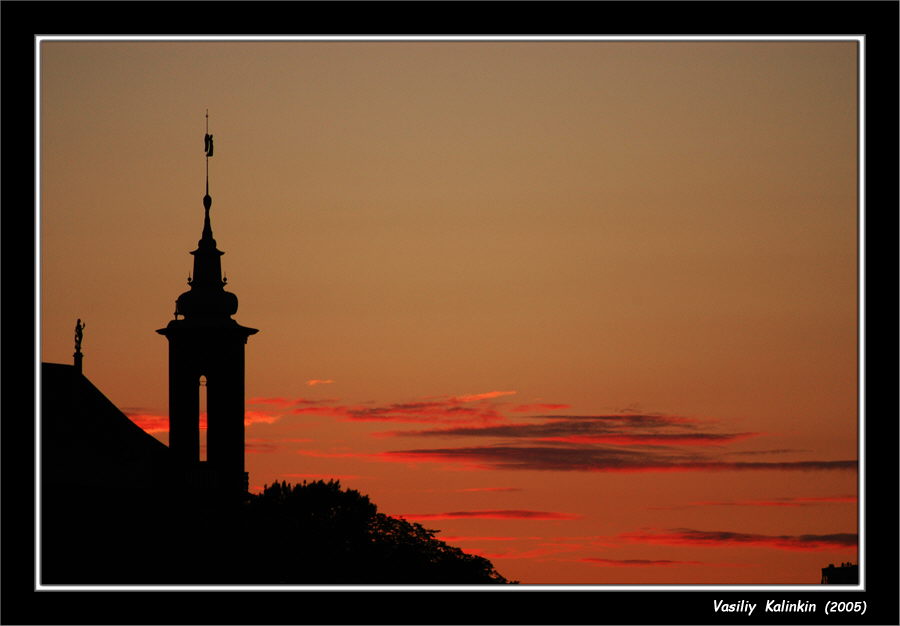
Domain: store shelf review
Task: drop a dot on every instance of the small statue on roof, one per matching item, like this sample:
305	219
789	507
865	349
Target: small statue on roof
79	334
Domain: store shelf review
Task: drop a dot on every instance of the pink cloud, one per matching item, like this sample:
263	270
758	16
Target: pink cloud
482	396
259	417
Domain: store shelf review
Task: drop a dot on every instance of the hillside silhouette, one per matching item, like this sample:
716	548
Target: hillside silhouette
310	533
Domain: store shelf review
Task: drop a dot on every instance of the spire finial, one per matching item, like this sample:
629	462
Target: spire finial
208	151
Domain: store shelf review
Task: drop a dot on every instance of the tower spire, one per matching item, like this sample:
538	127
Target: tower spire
207	199
207	342
207	297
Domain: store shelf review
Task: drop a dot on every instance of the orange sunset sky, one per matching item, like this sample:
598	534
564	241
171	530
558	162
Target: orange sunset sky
587	307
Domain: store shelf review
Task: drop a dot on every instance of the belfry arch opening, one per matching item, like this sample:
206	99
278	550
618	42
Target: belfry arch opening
203	421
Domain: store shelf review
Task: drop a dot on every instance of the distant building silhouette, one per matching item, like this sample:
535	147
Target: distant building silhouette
846	574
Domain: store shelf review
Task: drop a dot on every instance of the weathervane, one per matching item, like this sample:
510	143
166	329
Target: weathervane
208	150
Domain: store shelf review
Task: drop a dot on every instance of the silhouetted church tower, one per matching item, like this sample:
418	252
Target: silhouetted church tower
207	345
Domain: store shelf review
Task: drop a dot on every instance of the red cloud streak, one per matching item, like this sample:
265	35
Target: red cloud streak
160	423
531	408
150	423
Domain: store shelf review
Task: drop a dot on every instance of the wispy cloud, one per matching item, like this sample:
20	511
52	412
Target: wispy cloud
637	562
260	446
771	502
654	439
539	407
494	514
718	538
596	459
314	477
322	454
466	409
544	552
488	538
620	442
289	402
276	401
439	411
600	562
585	428
582	459
318	381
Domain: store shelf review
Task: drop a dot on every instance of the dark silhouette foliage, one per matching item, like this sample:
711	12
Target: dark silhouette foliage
310	533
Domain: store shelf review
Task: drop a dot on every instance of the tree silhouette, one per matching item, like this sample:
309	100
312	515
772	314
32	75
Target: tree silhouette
343	537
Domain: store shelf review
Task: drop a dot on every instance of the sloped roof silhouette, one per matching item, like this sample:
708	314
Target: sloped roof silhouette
87	441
